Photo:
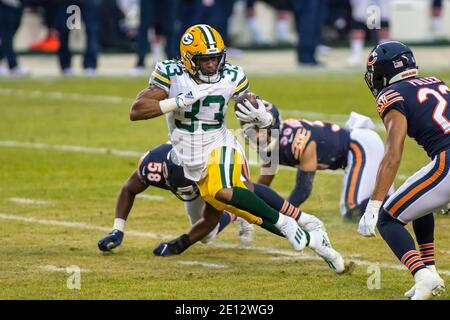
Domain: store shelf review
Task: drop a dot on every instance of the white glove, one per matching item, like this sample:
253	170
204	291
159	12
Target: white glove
261	117
369	220
191	97
183	99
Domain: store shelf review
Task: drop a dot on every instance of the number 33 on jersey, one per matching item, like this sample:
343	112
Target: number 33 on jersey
208	113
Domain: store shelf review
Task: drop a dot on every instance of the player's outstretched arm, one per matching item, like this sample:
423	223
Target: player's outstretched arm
396	128
147	104
125	200
305	175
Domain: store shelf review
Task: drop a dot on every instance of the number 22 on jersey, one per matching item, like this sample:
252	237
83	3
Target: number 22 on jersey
441	106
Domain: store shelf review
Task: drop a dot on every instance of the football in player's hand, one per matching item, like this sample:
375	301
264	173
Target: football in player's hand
251	97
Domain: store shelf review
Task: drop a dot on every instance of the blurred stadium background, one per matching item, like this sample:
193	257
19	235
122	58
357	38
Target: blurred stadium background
67	145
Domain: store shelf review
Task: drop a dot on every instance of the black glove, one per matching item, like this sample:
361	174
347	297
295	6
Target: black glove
177	246
111	241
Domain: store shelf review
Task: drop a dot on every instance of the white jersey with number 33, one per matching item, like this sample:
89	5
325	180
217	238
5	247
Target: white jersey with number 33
199	128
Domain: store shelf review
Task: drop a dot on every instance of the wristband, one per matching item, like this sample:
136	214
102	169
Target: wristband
119	224
168	105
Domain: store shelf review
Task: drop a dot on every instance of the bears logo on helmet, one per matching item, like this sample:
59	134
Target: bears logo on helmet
388	63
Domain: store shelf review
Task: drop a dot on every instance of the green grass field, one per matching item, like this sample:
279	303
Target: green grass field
37	117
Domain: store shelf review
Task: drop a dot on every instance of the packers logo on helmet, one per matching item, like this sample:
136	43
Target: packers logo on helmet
202	42
187	39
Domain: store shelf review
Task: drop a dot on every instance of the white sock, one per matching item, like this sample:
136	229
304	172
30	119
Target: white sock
119	224
357	47
253	25
282	28
436	24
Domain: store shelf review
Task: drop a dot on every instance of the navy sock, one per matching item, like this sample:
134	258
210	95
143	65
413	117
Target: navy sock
269	196
400	242
225	219
424	231
274	200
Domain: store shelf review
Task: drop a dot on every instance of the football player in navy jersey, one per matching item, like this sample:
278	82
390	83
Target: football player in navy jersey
159	168
310	146
417	107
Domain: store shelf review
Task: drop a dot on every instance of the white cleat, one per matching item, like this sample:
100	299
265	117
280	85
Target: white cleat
245	231
309	222
321	245
295	235
410	293
428	286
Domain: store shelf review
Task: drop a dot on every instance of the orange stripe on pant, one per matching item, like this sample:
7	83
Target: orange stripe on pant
354	178
246	175
421	186
428	245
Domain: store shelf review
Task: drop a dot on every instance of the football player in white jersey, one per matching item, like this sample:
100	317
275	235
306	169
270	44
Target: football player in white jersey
193	93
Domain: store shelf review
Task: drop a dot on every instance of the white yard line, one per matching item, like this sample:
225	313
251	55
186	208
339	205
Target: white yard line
80	225
287	254
80	97
203	264
80	149
58	269
29	201
151	198
129	153
61	95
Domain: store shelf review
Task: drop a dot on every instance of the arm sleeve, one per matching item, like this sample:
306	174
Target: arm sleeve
303	187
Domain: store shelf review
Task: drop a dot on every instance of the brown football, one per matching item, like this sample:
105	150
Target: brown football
250	96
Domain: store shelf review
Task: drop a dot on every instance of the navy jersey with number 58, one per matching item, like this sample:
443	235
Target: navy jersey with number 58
150	166
425	104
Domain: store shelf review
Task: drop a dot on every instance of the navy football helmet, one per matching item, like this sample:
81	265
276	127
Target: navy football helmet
388	63
183	188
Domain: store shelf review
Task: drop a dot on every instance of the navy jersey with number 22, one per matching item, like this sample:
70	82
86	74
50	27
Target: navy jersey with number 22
425	104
